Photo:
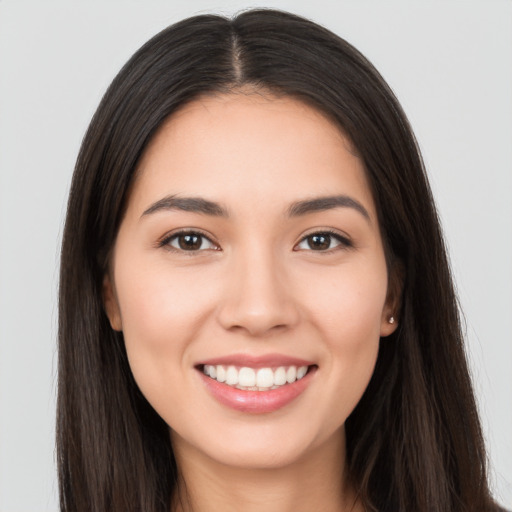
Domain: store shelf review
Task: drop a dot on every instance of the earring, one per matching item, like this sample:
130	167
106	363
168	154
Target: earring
391	320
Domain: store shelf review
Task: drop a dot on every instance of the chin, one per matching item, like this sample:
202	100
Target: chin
260	445
258	457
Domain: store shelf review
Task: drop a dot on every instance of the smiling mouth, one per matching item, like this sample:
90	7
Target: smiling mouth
255	379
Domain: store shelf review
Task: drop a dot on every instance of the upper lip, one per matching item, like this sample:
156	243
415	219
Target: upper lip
251	361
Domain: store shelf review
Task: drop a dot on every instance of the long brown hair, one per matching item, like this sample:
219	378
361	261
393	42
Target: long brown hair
414	441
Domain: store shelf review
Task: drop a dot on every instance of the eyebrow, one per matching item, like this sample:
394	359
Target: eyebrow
187	204
319	204
296	209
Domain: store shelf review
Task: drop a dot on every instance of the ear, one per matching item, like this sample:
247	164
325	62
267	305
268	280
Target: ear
391	310
111	305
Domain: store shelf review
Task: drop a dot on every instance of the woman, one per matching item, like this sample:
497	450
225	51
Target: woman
256	309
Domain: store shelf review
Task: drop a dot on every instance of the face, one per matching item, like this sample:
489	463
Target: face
249	280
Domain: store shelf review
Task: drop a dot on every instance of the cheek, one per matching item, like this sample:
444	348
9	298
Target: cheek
348	303
348	313
156	304
161	313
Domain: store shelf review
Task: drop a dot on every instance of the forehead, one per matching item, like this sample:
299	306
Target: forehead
237	147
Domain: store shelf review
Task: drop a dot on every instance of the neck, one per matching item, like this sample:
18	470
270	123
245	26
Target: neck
316	482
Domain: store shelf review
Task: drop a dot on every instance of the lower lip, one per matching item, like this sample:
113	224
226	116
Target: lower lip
257	402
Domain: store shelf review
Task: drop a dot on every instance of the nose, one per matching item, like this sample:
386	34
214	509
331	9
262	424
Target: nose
258	297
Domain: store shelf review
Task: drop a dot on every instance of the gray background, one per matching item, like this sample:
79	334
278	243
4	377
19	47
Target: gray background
449	63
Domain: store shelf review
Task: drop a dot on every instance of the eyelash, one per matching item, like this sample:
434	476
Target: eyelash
166	241
343	241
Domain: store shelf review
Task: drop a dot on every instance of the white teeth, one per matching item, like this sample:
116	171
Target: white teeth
247	377
265	378
301	372
221	374
280	376
291	374
250	379
232	376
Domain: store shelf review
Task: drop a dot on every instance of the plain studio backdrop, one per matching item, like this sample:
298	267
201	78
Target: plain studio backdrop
449	63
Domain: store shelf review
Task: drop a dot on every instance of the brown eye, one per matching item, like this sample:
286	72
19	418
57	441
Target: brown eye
319	242
190	241
323	241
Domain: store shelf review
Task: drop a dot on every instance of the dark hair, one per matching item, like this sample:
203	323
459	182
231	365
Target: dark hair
414	441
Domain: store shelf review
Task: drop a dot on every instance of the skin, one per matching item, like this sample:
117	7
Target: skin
256	287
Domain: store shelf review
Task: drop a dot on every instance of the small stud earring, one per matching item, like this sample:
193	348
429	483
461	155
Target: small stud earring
391	320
